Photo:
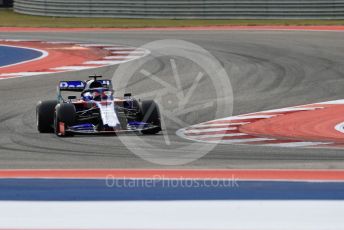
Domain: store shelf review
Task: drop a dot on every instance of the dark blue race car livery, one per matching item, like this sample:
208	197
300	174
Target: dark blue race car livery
96	111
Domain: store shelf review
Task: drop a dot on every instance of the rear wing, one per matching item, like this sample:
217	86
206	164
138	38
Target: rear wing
79	86
75	86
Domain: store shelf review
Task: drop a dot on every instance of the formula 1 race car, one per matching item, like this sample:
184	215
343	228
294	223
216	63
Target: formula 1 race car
96	111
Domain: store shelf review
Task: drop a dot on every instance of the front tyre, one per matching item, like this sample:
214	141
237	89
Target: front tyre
64	117
151	115
45	116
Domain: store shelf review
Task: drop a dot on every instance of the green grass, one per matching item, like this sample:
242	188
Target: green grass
8	18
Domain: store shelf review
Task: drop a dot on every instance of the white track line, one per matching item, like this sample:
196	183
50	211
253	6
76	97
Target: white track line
94	45
128	52
235	141
216	125
336	102
25	74
105	62
58	42
243	118
19	40
12	77
74	67
122	48
122	57
201	137
296	144
197	131
340	127
291	109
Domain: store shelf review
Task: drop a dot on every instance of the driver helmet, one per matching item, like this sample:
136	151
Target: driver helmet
98	94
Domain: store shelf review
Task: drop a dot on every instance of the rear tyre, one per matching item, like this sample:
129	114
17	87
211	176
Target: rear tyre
64	117
45	116
151	114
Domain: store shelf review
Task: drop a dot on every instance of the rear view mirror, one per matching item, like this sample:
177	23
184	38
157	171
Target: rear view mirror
127	95
71	97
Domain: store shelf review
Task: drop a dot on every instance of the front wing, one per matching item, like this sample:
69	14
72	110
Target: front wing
138	127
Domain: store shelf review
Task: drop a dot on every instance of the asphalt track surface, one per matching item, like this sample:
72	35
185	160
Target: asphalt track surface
267	70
